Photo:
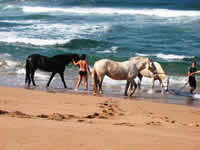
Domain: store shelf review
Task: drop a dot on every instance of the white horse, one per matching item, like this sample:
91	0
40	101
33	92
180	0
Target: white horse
127	70
159	75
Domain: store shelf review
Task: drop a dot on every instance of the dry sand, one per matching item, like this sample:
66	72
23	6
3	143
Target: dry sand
40	120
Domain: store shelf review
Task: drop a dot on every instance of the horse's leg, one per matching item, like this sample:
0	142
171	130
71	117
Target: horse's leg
62	78
140	80
126	88
27	79
135	87
100	84
95	81
162	86
153	82
52	75
32	77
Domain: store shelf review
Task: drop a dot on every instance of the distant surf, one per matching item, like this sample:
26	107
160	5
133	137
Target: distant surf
167	56
113	11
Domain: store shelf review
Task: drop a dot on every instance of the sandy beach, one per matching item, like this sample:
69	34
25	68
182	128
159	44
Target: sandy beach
41	120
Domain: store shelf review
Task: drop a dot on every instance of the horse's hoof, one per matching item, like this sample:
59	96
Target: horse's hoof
130	95
27	87
94	93
34	87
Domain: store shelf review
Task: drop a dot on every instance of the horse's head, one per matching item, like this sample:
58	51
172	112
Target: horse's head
150	66
144	63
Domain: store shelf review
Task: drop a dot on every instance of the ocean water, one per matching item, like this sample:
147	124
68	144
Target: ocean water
165	30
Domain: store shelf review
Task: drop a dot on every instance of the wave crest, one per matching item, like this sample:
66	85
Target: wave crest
167	56
113	11
82	43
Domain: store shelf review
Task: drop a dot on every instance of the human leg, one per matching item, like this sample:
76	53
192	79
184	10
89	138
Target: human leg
192	83
79	82
86	81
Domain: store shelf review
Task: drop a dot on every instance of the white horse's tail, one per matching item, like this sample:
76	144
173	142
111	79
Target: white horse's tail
95	78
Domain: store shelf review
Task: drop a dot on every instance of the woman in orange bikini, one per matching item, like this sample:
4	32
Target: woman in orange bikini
83	71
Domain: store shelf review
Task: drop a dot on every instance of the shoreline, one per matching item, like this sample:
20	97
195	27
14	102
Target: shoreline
140	95
111	88
46	120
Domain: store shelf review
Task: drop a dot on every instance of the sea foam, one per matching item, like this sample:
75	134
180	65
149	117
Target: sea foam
108	51
166	56
37	74
114	11
29	35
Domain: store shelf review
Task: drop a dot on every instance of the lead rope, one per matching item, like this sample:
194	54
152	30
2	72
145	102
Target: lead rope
183	87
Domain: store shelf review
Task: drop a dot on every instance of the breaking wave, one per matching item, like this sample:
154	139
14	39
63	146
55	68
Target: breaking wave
82	43
167	56
114	11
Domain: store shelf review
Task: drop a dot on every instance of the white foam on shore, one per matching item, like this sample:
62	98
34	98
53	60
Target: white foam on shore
11	63
174	81
4	55
8	62
177	80
113	11
196	96
37	74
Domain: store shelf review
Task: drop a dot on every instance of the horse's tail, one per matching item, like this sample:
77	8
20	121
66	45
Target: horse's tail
95	78
28	70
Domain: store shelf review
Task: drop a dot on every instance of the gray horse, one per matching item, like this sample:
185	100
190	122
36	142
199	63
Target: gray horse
127	70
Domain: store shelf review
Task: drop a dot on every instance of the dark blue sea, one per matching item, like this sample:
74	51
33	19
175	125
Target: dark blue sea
165	30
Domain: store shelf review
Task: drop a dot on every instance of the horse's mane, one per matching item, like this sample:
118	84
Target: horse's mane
159	69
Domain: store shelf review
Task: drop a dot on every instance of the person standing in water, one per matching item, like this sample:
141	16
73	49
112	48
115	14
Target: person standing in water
83	71
191	76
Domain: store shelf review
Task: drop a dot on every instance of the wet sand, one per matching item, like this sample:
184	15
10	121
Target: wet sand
47	120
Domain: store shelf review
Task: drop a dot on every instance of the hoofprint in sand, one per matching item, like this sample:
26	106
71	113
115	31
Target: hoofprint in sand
40	120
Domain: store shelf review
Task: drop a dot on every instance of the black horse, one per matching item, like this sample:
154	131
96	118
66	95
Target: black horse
55	64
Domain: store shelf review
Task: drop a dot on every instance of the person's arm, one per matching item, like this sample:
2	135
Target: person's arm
195	73
75	63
